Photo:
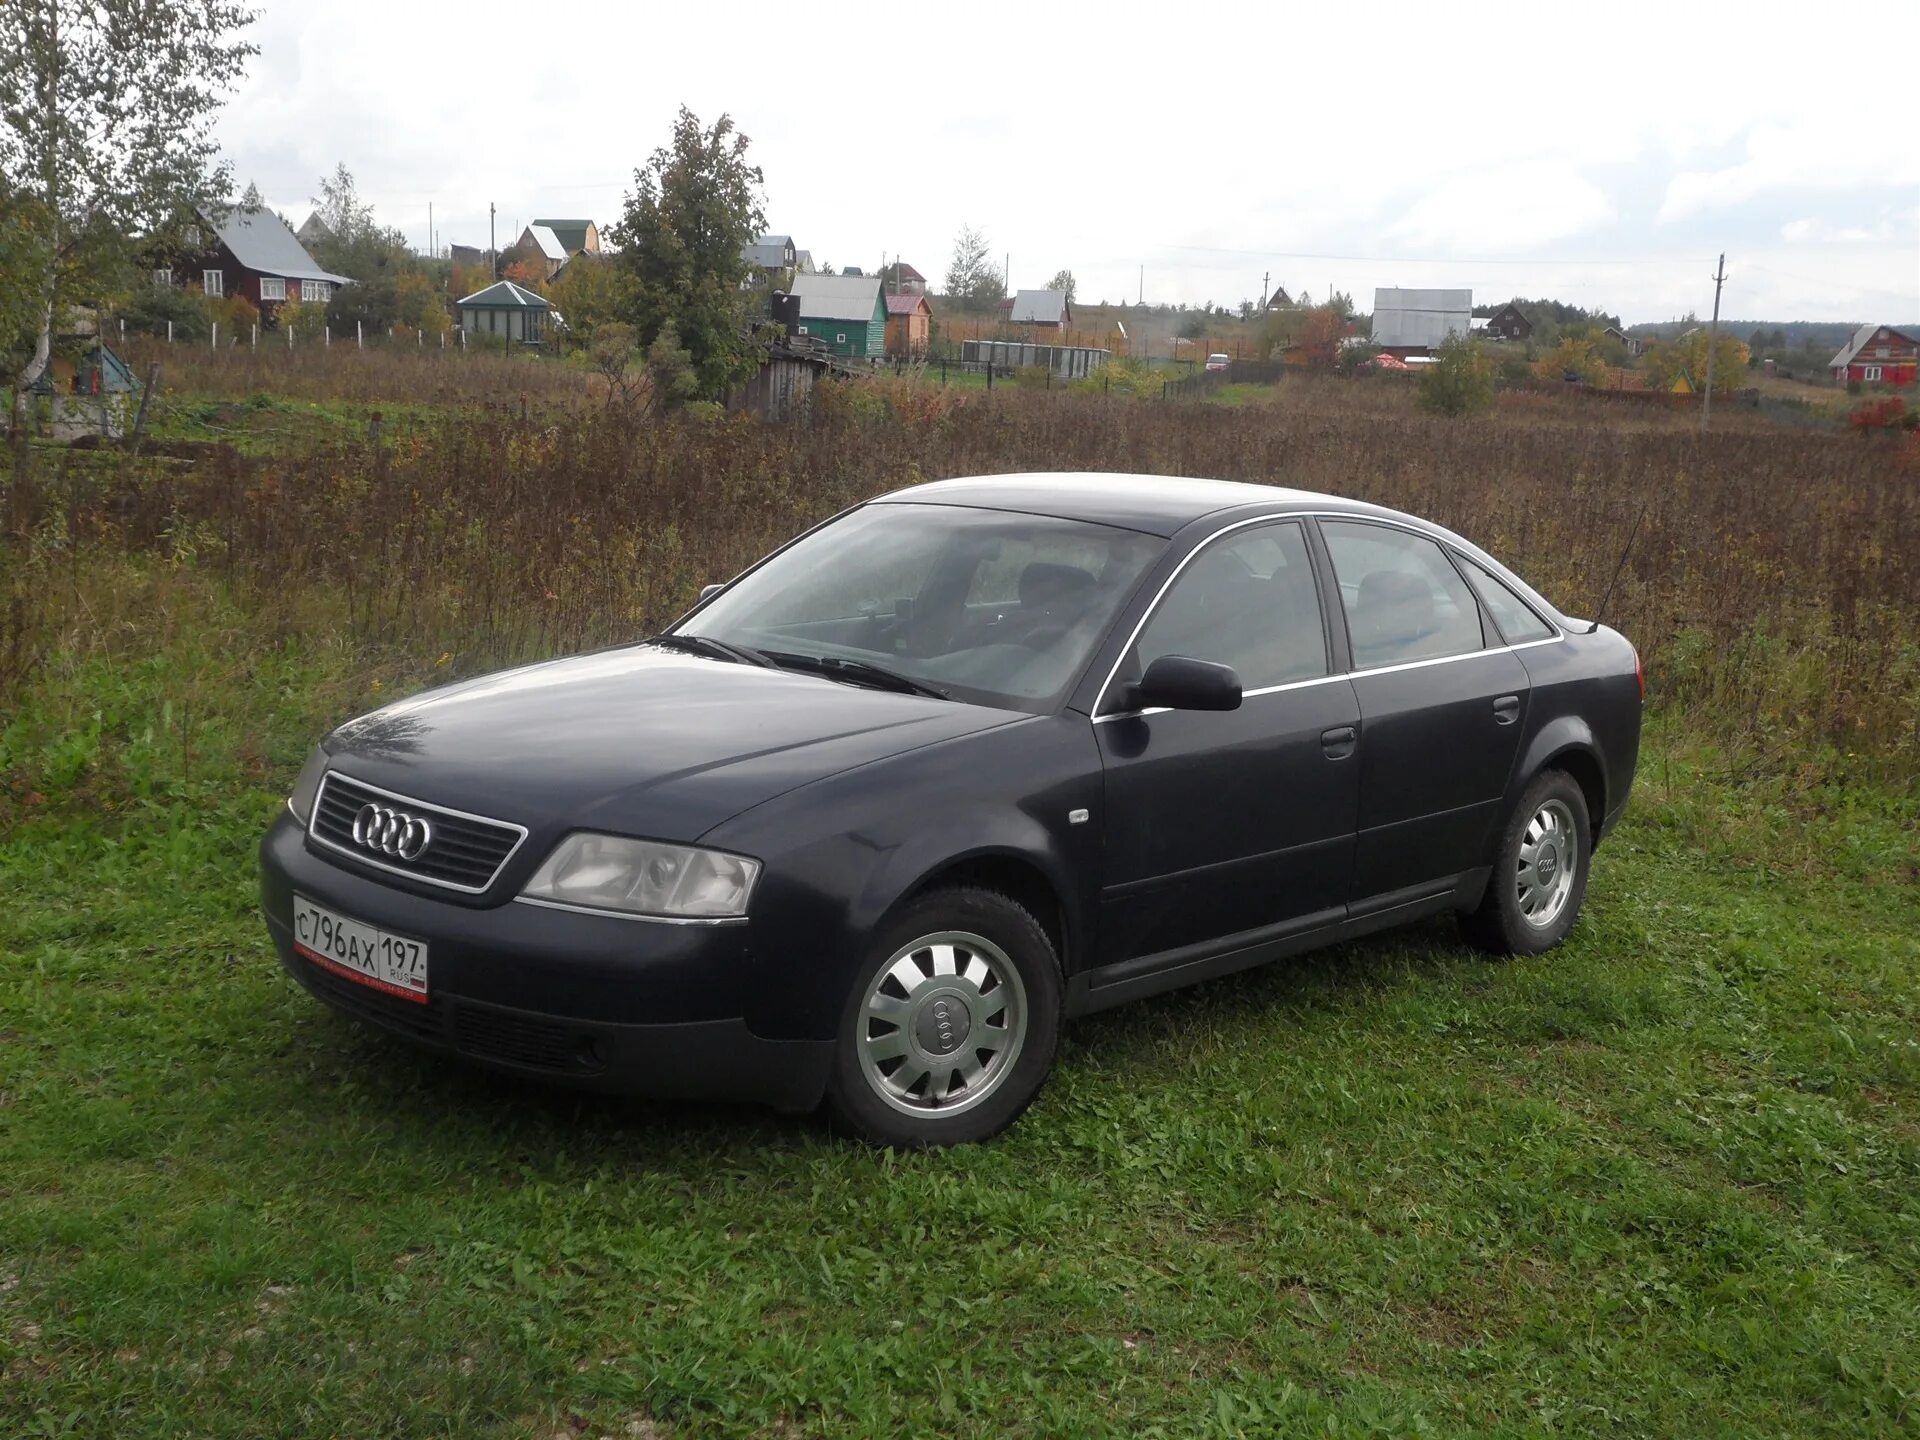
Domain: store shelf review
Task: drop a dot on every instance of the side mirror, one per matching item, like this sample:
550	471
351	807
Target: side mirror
707	592
1179	682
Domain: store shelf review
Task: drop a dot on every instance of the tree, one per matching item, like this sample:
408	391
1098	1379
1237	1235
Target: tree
693	210
1321	332
1460	381
1063	282
354	243
970	275
106	114
1573	358
590	293
1666	361
251	199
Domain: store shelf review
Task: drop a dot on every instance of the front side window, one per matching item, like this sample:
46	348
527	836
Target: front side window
272	287
313	291
163	277
1247	600
1872	372
1404	600
213	282
989	606
1513	615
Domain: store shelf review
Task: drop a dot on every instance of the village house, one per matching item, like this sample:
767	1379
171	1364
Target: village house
903	279
252	253
576	237
770	255
847	314
909	325
1416	322
1508	323
1877	355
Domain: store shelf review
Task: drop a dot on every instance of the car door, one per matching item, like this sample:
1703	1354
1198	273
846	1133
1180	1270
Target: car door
1226	822
1442	708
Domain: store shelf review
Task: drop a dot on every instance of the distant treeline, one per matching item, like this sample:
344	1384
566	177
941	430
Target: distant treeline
1779	334
1558	312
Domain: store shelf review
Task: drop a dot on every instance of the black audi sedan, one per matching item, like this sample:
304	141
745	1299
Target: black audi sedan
873	820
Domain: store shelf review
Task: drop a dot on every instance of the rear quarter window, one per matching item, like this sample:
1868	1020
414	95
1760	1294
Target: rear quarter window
1516	619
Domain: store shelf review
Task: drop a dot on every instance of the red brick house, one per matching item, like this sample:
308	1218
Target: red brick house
248	252
1877	355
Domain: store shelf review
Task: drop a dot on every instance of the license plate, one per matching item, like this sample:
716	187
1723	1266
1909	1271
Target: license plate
359	951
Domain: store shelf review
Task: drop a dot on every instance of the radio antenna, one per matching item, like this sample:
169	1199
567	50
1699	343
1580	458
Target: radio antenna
1620	566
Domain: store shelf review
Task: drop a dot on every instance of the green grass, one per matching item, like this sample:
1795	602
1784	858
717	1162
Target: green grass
1665	1181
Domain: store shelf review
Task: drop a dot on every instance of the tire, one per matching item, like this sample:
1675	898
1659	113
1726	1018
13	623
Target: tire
1524	911
952	1024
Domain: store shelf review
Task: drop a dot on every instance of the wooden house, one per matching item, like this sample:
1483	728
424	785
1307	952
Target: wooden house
1508	323
1877	355
250	252
847	314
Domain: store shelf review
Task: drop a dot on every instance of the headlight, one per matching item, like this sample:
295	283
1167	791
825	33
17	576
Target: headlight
644	877
306	785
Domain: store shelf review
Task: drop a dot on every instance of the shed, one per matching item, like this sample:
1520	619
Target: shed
845	313
909	325
507	310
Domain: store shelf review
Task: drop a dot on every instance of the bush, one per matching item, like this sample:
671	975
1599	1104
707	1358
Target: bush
1460	382
1887	413
154	306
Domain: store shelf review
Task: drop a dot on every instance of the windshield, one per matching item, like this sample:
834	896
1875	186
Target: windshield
996	608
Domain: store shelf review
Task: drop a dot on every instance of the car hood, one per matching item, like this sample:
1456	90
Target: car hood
639	740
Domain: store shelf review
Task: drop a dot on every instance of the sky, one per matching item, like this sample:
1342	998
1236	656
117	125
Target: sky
1602	155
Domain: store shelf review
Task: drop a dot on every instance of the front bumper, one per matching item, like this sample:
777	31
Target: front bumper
595	1001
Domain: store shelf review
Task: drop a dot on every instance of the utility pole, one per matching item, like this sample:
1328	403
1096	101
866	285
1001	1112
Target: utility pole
1713	341
429	230
493	255
1263	288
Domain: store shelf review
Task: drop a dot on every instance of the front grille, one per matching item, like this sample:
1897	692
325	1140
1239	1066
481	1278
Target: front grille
464	853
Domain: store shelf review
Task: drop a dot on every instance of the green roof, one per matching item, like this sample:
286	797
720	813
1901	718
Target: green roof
570	233
503	295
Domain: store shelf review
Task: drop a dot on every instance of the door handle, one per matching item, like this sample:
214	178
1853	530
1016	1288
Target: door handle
1506	709
1339	741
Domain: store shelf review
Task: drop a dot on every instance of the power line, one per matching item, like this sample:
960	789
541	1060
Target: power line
1433	259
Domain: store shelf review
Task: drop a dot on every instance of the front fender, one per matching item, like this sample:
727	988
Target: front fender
841	853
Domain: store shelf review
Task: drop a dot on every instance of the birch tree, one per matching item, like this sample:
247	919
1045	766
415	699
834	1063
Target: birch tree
106	115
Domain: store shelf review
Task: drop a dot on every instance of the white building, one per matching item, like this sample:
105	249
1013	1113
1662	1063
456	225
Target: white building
1419	319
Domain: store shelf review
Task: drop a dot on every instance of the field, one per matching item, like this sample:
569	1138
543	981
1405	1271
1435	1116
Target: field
1665	1181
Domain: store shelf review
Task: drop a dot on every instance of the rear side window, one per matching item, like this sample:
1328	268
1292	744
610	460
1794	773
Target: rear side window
1247	601
1512	614
1403	598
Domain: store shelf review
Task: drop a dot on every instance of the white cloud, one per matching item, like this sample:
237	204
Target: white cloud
1799	157
1518	208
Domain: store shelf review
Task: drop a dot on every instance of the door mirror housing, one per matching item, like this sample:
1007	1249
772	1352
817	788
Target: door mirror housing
707	592
1179	682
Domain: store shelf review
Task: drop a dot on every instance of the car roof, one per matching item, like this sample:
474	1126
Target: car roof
1155	504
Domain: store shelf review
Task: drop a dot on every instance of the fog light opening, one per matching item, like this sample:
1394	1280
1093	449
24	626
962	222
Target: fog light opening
586	1053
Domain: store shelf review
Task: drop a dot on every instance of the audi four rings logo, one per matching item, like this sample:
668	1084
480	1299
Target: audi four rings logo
392	832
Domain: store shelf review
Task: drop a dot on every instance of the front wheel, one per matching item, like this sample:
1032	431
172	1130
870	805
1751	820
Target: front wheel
952	1026
1540	874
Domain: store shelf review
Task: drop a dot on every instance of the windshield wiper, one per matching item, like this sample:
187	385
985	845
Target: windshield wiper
708	646
859	672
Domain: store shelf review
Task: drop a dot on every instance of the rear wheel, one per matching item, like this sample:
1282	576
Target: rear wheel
952	1027
1540	873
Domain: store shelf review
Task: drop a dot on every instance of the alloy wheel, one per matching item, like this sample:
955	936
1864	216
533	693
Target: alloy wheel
942	1024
